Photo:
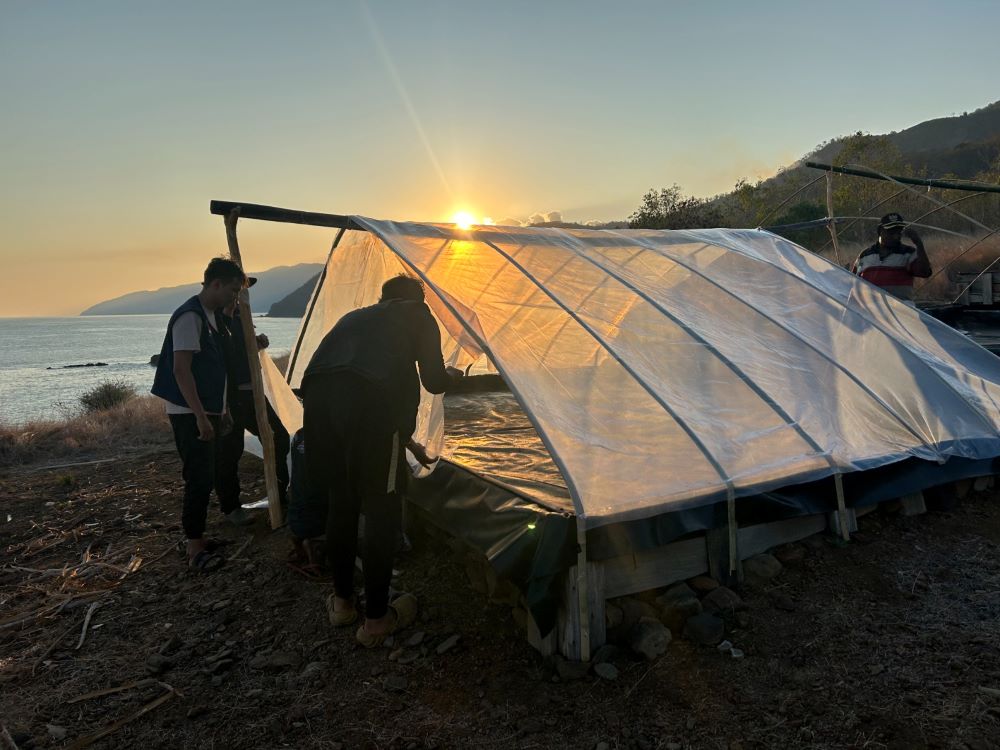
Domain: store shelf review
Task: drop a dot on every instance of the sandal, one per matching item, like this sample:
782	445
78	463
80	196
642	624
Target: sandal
405	610
340	618
206	562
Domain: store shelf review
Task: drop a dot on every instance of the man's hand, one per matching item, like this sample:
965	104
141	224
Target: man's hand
420	453
262	341
205	430
911	233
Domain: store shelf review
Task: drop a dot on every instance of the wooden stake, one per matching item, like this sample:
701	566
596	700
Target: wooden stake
845	527
256	379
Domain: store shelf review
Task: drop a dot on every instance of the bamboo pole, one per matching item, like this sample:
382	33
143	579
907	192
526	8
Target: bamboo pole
256	379
984	187
829	212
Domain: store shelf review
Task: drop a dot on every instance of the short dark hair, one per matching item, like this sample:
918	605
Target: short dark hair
403	286
223	269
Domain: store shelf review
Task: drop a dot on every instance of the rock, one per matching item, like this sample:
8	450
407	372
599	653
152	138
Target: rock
606	654
571	670
396	654
704	628
394	682
56	732
649	638
634	610
416	639
676	605
722	600
408	657
276	661
613	615
157	664
448	644
606	671
790	554
703	584
679	591
761	568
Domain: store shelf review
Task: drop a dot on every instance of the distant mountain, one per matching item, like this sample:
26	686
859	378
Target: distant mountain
272	285
294	305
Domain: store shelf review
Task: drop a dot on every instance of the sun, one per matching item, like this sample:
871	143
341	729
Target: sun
463	219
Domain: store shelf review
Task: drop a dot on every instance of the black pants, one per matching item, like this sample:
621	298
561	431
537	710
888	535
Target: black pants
198	458
227	474
355	453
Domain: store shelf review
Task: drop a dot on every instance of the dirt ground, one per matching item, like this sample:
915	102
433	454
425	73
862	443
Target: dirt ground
890	641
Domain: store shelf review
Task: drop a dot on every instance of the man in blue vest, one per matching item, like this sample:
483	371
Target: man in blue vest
191	378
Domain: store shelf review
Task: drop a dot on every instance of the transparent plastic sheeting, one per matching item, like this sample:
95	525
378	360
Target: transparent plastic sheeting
666	370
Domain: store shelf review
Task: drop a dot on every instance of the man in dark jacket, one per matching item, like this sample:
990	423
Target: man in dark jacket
361	393
191	378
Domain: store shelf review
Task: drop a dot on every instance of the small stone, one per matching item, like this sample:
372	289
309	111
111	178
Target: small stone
649	638
56	732
395	654
704	628
674	612
606	671
408	657
722	599
448	644
761	568
221	604
416	639
157	664
678	591
783	602
634	610
394	682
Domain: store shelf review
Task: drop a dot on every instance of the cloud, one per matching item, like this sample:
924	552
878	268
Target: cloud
553	216
510	221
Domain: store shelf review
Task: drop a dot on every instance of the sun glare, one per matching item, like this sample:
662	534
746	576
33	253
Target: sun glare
462	219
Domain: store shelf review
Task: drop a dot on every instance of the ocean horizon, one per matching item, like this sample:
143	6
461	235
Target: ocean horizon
40	376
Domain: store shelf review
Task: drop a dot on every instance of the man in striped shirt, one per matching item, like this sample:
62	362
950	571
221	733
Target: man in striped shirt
889	263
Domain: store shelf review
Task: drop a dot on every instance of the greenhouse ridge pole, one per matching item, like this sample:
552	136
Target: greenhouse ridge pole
256	379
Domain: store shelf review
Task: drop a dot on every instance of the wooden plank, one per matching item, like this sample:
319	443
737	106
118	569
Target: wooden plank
650	569
764	536
913	504
569	612
285	215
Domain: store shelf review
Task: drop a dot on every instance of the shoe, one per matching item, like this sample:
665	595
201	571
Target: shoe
404	610
340	618
239	517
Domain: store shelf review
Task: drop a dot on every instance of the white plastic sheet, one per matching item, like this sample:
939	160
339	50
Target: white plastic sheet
665	369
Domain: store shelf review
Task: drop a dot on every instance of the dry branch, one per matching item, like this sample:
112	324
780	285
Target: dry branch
112	728
86	623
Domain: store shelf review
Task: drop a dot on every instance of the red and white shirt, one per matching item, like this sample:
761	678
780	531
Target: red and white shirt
892	272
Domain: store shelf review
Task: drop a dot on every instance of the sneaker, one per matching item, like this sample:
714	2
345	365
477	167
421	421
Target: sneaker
239	517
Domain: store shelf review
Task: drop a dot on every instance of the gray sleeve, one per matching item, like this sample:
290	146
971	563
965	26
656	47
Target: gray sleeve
187	333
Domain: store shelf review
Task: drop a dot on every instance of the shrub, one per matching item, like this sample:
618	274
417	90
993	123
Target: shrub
107	395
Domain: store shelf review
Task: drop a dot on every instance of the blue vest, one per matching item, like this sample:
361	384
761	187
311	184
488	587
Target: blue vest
208	366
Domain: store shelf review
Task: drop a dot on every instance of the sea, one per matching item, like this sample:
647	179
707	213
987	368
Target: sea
39	379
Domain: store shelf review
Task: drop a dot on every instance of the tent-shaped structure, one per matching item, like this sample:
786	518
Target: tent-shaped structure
683	382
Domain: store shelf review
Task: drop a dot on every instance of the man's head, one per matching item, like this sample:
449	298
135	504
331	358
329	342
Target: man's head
403	287
890	230
221	283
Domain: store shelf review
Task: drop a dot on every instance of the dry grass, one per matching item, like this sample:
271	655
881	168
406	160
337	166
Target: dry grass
139	422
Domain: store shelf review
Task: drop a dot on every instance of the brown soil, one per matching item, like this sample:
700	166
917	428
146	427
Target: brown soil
891	641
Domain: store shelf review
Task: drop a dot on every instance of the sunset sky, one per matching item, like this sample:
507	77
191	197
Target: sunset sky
122	120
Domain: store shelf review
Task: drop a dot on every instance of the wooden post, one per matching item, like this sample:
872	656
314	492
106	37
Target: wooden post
256	379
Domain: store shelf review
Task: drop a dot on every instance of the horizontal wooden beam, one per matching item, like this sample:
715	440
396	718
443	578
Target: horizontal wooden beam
286	215
976	187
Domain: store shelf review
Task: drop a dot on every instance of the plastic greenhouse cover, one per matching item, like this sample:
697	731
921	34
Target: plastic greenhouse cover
667	370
